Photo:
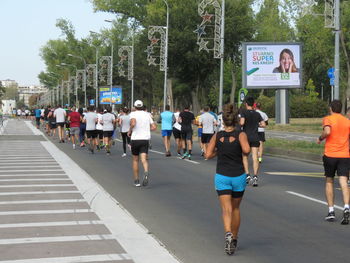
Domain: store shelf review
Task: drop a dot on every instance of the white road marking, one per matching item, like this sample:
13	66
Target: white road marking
45	224
13	241
153	151
34	185
43	201
312	199
45	212
40	179
39	192
32	128
34	166
46	170
76	259
51	175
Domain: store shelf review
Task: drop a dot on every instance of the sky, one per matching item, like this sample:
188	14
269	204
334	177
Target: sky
27	25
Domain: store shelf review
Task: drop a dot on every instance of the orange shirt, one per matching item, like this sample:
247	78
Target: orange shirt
337	143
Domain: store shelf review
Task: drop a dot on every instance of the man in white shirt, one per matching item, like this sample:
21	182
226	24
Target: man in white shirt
208	122
177	131
108	122
90	119
141	124
60	115
261	130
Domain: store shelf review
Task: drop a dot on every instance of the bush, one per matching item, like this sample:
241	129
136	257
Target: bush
267	105
303	106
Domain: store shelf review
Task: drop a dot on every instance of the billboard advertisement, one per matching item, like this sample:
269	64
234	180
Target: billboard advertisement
272	65
105	95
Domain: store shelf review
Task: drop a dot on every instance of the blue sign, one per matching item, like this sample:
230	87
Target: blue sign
331	81
330	73
105	95
92	102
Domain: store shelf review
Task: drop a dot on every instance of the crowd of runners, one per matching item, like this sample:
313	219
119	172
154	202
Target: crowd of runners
231	136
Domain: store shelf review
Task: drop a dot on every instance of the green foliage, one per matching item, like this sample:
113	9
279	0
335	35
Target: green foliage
2	90
311	89
267	105
11	93
302	106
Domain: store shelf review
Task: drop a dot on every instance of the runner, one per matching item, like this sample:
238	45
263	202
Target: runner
261	130
208	122
167	118
90	119
250	121
82	133
60	115
52	122
186	119
108	122
74	119
177	131
124	123
199	132
99	129
336	158
141	125
37	118
46	120
230	178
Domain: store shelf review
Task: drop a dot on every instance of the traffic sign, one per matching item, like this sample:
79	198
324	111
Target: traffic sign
331	81
330	73
92	102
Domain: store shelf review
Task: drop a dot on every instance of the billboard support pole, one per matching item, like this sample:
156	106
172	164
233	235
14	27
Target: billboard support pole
282	106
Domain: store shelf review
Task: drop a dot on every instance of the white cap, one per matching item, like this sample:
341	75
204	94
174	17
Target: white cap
138	103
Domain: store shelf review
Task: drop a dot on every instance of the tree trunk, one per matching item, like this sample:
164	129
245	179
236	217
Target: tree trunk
170	94
346	94
234	85
195	102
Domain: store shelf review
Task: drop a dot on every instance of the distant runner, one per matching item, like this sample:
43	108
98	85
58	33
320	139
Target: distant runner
261	131
60	115
90	119
186	120
208	123
108	122
177	132
124	122
167	119
74	119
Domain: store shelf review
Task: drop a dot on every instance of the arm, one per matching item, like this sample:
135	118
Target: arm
153	126
262	124
211	150
132	125
325	133
243	140
242	121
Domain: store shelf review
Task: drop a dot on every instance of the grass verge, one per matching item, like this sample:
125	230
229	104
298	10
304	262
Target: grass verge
298	146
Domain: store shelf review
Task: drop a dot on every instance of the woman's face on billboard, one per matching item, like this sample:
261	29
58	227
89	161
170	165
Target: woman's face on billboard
286	61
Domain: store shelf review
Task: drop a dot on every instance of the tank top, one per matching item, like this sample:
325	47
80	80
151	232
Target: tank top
229	161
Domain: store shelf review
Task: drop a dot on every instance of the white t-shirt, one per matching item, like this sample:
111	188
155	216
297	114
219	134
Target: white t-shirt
125	123
90	118
208	122
60	115
99	126
177	125
108	119
221	126
142	129
264	117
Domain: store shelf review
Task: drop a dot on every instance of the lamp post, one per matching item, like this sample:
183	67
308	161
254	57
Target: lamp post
166	54
96	71
56	97
111	80
84	76
75	83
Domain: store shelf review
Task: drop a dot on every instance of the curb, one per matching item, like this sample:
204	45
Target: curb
294	155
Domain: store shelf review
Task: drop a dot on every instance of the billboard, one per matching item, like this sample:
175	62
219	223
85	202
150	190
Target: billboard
272	65
105	95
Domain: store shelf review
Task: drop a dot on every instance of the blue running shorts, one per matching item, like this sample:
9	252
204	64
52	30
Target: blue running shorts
200	131
234	186
167	133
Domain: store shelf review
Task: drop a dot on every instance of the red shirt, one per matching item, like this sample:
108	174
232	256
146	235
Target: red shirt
74	119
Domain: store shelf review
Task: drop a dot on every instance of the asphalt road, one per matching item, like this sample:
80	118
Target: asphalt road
181	209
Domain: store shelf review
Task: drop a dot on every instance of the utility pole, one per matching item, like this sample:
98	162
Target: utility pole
221	91
336	55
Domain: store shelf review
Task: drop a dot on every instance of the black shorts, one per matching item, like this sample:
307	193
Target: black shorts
91	134
108	134
261	136
52	124
139	146
187	135
60	124
254	144
99	134
339	165
176	133
206	137
37	120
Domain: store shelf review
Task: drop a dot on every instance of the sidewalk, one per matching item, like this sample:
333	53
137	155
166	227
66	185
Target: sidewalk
52	211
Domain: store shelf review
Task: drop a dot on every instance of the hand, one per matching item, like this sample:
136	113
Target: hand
318	141
283	69
129	134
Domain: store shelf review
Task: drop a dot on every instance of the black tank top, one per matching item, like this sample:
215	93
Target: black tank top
229	162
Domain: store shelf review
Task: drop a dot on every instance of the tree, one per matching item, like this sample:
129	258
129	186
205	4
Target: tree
11	93
2	90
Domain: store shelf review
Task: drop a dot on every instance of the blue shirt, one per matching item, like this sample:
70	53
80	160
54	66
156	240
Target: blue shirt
38	113
167	120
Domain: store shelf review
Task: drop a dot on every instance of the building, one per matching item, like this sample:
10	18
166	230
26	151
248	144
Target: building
24	93
7	83
8	106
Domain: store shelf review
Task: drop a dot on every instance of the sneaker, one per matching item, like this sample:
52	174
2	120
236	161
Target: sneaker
74	146
108	153
230	243
124	154
255	181
189	156
179	154
137	183
82	144
129	146
330	217
184	155
202	152
145	179
247	180
167	154
260	160
345	220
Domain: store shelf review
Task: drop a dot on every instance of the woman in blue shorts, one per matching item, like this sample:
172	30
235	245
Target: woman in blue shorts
230	180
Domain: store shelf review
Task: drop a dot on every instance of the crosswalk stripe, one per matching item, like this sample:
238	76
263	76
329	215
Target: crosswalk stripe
45	224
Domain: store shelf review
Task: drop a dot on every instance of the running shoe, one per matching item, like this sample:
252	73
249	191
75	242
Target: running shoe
124	154
178	154
330	217
167	154
255	181
189	156
202	152
260	160
247	180
184	155
137	183
345	220
82	144
145	179
73	146
230	243
108	153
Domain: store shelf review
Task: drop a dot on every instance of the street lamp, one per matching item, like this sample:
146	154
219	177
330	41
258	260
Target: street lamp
112	47
96	71
166	54
84	76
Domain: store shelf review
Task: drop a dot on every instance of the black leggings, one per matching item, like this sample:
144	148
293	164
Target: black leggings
126	138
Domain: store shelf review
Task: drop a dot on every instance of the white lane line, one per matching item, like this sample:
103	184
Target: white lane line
28	163
32	128
45	224
43	201
36	169
31	167
40	179
46	156
13	241
34	185
45	212
312	199
190	161
76	259
153	151
39	193
25	175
